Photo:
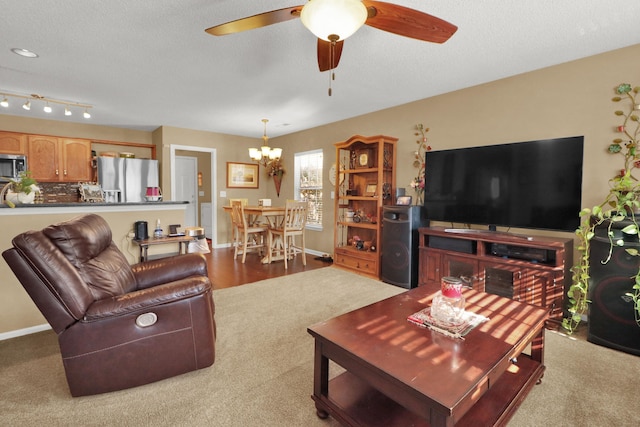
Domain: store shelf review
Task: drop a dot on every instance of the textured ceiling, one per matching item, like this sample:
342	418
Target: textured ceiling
148	63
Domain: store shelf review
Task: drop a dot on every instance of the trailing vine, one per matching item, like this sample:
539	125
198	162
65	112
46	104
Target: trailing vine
621	204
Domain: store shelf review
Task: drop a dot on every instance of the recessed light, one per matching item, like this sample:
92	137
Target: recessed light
24	52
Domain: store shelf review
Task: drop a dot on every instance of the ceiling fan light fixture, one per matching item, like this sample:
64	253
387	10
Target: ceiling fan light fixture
325	18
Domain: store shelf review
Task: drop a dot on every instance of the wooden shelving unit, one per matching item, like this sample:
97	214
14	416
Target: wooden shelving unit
365	182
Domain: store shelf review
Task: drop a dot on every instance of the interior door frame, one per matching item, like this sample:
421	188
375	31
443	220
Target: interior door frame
214	186
193	161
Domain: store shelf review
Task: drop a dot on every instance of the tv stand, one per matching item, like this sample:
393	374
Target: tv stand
530	269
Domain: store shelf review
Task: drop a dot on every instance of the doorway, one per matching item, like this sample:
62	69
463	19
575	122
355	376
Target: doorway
186	177
213	186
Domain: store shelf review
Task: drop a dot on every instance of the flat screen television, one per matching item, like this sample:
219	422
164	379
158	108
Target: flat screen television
533	185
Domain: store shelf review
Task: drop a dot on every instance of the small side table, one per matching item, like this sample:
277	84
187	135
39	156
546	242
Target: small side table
144	244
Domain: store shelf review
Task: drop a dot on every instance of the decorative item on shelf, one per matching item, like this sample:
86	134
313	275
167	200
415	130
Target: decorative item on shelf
371	189
90	192
265	154
336	174
386	190
387	159
619	209
417	183
364	158
20	191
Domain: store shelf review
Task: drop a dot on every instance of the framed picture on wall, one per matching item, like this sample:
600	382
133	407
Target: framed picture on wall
242	175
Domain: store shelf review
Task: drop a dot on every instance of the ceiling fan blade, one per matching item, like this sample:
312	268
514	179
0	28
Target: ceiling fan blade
324	54
408	22
256	21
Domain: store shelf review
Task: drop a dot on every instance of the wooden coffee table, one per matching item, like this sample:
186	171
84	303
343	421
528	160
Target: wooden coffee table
399	374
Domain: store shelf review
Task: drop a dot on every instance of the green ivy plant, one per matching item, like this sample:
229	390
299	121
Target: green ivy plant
23	183
621	204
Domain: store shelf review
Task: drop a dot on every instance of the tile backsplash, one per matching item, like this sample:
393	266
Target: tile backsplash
59	192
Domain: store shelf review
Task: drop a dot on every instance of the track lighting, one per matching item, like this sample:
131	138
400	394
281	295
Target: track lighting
68	105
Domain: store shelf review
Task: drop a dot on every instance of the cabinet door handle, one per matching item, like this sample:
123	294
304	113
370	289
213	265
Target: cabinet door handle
57	173
65	172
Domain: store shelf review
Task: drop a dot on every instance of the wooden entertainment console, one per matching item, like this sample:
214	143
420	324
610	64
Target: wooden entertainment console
529	269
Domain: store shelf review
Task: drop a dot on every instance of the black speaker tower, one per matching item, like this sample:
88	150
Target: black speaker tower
399	256
611	312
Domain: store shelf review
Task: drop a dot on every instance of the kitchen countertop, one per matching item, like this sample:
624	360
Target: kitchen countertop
76	204
42	208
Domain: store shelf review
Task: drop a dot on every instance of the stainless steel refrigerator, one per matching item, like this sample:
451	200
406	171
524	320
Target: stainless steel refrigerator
129	178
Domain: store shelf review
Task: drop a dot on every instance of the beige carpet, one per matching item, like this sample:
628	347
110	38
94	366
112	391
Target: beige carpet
263	372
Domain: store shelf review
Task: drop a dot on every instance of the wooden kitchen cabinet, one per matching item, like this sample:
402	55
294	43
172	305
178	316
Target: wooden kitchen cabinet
52	159
529	269
13	143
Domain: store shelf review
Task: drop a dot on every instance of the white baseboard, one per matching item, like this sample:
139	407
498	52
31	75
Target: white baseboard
25	331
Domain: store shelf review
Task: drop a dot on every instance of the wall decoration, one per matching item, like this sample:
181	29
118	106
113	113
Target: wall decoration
242	175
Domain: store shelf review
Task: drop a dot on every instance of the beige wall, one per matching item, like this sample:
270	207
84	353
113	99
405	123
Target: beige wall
564	100
17	311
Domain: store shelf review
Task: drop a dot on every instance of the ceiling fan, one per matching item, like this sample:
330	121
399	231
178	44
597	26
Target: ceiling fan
332	21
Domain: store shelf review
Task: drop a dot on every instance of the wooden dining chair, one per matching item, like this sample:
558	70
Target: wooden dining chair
248	237
293	224
234	230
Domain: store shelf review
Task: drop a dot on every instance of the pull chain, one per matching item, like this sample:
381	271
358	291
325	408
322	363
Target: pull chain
332	51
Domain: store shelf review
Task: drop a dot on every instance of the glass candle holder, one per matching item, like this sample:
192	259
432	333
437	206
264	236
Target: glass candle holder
448	304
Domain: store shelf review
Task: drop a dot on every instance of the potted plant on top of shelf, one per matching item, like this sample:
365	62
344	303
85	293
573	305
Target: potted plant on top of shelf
618	212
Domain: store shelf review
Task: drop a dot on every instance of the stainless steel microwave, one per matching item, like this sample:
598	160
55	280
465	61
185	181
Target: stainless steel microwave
11	165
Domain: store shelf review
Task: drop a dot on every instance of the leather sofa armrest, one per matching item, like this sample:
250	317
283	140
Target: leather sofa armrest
146	299
163	270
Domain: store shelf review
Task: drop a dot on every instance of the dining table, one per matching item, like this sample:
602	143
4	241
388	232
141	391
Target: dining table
274	215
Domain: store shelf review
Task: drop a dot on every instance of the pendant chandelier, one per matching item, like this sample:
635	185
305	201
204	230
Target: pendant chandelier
265	154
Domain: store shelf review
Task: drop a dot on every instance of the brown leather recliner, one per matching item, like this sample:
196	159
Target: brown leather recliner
118	325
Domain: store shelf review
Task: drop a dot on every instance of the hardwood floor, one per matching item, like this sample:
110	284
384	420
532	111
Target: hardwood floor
225	271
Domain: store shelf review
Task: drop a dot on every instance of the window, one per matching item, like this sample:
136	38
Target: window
308	184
